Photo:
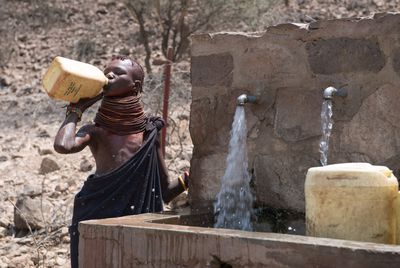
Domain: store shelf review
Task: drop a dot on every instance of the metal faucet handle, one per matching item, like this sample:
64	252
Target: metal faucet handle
341	92
329	92
244	98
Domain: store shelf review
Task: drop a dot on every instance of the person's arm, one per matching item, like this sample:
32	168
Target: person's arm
67	140
170	188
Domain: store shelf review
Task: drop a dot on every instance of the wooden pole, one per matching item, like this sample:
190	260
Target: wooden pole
167	84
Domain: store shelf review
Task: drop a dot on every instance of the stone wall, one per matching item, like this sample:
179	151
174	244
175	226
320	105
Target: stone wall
288	66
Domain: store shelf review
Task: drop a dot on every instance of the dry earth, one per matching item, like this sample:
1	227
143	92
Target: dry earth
42	183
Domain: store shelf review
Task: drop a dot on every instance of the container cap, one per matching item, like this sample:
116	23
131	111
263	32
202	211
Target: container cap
354	167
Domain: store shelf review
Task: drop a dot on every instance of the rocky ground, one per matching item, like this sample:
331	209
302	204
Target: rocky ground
37	185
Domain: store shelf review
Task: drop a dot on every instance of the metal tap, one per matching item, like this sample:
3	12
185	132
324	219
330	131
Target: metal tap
329	92
244	98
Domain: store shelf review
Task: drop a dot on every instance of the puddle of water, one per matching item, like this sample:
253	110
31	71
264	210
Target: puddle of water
264	220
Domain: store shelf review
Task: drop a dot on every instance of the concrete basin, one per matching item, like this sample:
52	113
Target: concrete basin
161	240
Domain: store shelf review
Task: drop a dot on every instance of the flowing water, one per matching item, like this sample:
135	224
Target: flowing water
234	206
326	127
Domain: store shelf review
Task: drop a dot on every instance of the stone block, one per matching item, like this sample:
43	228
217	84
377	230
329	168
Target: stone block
375	129
214	115
342	54
279	179
205	178
212	70
396	61
273	64
297	114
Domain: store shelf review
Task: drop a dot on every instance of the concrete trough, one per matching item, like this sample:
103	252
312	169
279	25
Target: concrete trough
160	240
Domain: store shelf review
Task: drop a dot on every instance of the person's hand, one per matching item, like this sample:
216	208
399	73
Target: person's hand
85	103
186	178
79	107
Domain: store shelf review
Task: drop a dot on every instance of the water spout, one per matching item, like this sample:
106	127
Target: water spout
233	207
244	98
327	122
329	92
326	128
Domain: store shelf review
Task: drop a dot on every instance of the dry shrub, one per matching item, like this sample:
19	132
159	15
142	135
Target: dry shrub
171	22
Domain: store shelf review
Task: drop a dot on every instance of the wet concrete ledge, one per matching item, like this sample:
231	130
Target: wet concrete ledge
155	240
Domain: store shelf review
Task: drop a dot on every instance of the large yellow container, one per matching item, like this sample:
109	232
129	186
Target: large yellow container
352	201
398	219
71	80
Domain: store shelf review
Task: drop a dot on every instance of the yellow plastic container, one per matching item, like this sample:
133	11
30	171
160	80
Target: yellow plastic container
352	201
398	219
71	80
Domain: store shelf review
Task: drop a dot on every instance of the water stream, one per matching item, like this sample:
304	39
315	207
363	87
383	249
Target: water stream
234	206
326	127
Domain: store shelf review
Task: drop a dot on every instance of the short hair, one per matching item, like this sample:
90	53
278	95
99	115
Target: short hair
134	63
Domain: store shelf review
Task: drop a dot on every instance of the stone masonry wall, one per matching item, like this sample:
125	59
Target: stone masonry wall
288	66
